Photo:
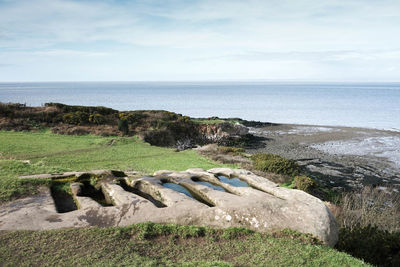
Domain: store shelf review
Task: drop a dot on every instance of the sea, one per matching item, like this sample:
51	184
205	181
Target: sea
369	105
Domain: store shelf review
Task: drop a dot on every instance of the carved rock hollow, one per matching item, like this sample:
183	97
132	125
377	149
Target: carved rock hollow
209	198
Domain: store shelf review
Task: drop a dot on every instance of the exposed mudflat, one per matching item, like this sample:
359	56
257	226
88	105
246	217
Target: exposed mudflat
340	157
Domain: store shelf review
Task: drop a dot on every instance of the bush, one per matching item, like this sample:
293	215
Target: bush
76	118
85	109
70	118
370	206
96	118
123	126
159	138
375	246
370	225
275	163
230	149
304	183
134	117
8	109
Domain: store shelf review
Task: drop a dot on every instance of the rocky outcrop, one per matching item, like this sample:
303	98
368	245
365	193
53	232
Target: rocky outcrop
263	206
221	131
218	197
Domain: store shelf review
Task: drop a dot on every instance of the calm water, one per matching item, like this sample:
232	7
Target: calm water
233	181
375	105
178	188
212	186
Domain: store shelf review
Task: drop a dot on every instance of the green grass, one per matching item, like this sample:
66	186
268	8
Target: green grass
52	153
213	121
207	121
150	244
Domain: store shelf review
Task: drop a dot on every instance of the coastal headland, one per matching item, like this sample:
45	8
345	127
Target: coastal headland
61	161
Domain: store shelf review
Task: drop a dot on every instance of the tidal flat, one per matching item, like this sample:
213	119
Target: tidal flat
341	157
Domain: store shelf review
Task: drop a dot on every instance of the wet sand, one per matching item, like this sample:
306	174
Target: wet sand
339	157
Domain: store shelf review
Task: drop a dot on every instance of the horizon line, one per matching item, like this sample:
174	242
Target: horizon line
207	81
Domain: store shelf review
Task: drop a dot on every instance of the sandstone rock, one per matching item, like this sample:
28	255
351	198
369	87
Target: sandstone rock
207	199
221	131
234	129
207	148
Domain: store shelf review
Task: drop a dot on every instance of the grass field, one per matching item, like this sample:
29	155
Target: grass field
165	245
52	153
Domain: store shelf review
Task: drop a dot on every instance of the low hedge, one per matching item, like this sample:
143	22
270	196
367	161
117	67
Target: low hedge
275	163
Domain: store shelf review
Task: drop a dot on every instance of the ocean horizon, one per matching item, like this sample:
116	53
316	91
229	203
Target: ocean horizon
367	105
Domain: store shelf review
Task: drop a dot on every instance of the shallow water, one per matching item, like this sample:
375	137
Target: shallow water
215	187
371	105
178	188
382	146
233	181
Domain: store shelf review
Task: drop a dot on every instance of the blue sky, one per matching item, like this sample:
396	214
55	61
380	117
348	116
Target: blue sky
109	40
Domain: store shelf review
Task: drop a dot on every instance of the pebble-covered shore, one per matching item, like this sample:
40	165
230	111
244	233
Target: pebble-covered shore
340	157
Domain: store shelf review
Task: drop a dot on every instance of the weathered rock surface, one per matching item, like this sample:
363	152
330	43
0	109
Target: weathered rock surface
209	199
221	131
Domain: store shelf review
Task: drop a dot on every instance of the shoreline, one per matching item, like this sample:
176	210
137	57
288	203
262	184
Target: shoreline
339	157
295	124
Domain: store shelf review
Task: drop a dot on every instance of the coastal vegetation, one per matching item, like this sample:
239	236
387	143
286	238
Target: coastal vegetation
370	228
150	125
304	183
157	127
230	149
275	163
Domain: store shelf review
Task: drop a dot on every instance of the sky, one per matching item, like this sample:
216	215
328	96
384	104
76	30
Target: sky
199	40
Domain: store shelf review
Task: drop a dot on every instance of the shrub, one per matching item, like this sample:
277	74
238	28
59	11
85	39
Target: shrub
275	163
375	246
159	138
76	118
85	109
70	118
96	118
370	206
134	117
123	126
230	149
7	109
370	225
304	183
83	117
182	128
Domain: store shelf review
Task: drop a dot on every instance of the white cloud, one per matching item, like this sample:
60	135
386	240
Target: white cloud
223	37
64	52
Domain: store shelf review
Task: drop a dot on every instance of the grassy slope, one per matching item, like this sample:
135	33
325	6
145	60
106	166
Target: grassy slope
164	245
50	153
